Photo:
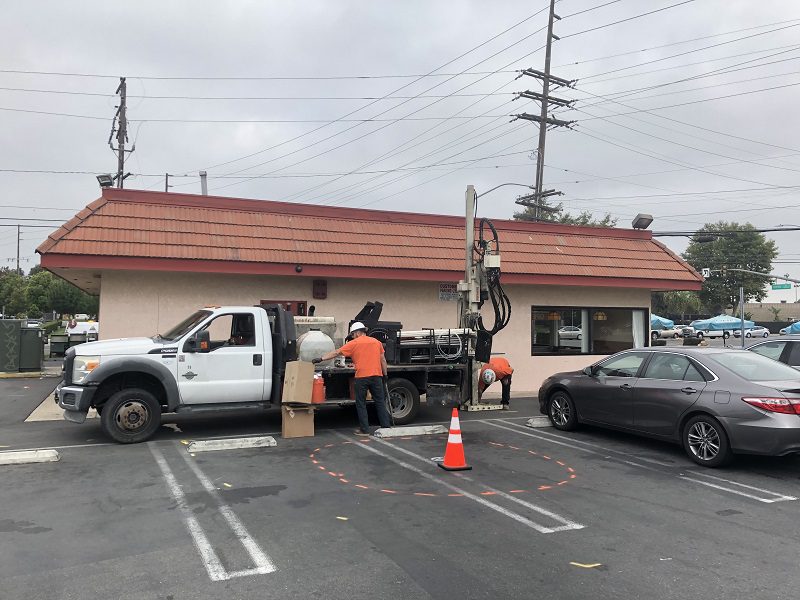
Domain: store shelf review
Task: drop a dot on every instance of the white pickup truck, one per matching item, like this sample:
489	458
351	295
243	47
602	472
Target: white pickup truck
225	358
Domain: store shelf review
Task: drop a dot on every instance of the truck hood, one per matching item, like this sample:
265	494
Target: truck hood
123	347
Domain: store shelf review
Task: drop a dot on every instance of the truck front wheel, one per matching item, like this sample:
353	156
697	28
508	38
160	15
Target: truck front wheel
404	400
131	415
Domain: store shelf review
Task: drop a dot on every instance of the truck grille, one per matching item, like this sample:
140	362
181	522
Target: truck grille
69	361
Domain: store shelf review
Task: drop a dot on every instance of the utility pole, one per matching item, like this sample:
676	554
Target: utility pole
18	249
120	128
535	200
166	182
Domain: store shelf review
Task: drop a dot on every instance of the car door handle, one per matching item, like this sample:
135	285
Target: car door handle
257	360
626	386
689	390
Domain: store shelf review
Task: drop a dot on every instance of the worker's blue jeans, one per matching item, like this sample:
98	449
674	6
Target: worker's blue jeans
375	387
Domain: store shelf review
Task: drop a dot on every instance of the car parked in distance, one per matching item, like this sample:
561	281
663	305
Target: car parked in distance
715	402
785	330
685	330
671	332
713	334
756	331
570	332
785	350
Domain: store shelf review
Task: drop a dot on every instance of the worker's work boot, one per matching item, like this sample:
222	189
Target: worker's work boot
361	432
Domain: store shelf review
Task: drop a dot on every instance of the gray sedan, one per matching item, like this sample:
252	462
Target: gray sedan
715	402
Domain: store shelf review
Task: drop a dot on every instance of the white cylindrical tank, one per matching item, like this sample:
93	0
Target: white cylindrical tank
313	344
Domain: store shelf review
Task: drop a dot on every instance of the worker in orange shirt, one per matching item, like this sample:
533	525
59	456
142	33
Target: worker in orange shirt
371	371
497	369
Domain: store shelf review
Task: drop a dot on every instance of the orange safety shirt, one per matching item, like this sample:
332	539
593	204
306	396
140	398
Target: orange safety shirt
365	352
501	367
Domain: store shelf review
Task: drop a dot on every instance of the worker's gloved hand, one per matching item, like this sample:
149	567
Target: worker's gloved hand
316	361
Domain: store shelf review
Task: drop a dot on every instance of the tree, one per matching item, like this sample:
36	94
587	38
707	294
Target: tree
776	312
12	293
558	215
681	302
735	246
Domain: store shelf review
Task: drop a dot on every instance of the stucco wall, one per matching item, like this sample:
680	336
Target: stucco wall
144	303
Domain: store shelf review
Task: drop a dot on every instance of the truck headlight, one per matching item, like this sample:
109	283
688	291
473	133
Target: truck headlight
83	366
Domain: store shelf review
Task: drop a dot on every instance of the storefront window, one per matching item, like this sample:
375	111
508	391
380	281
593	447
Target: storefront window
560	330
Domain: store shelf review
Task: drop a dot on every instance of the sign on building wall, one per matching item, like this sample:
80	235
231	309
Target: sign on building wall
448	292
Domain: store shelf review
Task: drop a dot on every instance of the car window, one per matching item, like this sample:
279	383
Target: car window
232	330
626	365
692	374
754	367
667	366
771	350
794	356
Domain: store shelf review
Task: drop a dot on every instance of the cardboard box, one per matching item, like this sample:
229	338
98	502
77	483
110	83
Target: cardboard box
297	422
298	382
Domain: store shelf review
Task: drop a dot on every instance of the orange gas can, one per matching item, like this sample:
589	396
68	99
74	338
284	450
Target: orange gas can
318	391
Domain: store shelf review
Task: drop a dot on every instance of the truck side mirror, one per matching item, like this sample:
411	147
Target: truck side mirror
199	342
588	371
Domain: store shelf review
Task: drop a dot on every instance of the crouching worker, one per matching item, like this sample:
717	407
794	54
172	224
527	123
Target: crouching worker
497	369
371	370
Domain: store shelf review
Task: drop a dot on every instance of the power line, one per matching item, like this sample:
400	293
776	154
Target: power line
563	37
580	12
650	62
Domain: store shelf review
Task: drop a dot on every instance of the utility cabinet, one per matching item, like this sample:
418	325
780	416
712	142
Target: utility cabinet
9	344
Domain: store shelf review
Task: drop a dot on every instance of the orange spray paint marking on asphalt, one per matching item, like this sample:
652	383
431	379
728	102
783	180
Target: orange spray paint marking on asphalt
343	480
424	494
363	487
388	491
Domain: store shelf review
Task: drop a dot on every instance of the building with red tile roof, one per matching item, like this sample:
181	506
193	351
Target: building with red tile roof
154	257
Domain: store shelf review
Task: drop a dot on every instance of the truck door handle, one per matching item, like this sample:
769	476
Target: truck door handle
257	360
626	386
689	390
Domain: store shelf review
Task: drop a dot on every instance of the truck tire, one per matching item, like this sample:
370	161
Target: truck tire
131	415
404	400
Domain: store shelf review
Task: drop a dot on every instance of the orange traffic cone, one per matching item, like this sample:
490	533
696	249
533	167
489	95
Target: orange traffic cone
454	453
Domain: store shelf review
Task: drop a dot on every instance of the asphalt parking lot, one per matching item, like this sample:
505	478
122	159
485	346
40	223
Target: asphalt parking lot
591	514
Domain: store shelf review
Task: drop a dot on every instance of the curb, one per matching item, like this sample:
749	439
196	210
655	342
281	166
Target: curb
413	430
266	441
24	457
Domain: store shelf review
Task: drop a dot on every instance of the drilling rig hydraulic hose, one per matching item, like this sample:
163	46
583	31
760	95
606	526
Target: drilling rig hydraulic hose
501	305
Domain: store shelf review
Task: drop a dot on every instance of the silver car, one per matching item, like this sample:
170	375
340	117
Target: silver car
715	402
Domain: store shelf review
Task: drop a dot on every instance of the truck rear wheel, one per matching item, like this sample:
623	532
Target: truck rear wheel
404	400
131	415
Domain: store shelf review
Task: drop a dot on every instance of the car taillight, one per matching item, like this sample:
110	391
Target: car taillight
787	406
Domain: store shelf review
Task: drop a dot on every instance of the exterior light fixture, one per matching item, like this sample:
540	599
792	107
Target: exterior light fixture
642	221
105	180
600	316
553	316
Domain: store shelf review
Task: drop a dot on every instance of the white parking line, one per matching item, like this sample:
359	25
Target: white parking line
482	501
263	564
566	524
552	438
216	572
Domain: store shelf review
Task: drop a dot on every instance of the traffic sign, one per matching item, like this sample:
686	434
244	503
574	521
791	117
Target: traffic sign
781	286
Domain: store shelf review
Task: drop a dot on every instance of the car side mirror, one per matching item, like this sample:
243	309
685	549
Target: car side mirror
199	342
588	371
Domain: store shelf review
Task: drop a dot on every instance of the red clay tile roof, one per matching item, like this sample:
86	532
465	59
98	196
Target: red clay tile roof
131	229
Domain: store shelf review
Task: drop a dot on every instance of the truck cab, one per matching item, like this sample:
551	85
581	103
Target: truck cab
216	359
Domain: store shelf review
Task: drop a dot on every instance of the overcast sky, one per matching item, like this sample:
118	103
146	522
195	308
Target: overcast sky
715	145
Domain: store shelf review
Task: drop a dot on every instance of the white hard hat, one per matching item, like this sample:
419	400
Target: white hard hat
489	376
356	326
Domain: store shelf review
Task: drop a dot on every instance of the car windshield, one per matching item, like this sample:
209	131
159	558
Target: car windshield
754	367
185	326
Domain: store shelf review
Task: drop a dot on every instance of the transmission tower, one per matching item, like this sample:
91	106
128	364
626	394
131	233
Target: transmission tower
536	200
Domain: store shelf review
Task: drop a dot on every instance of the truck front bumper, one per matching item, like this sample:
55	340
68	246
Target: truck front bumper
75	400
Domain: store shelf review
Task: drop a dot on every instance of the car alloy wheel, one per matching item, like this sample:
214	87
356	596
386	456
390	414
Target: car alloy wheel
560	410
703	440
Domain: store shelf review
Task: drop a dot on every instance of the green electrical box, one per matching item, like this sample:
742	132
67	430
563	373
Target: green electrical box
31	349
9	345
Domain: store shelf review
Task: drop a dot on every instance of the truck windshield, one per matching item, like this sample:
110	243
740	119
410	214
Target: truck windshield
185	326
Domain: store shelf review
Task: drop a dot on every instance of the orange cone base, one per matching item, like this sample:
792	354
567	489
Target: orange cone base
463	468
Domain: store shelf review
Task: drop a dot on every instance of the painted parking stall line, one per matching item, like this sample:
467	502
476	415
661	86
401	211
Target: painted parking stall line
263	564
737	489
563	525
216	571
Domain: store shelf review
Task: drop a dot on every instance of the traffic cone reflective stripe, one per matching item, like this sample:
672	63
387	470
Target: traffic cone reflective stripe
454	459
